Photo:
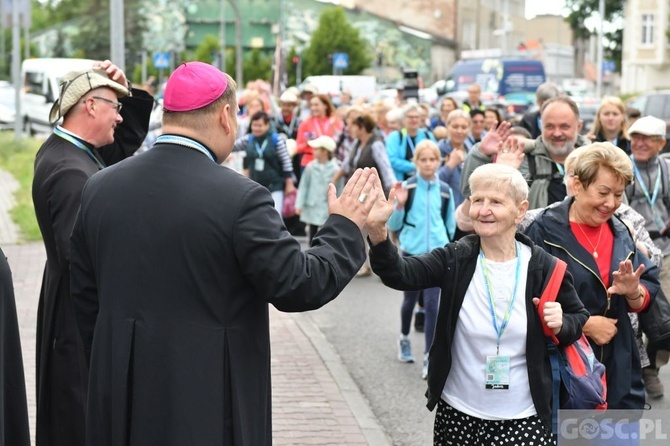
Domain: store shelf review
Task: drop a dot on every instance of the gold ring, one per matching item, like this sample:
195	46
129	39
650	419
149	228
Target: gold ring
362	197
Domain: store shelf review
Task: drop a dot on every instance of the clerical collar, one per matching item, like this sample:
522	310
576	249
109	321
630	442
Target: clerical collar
77	137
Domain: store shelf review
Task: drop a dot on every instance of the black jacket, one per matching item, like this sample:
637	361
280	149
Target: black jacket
529	121
451	268
174	262
551	231
61	170
13	406
621	142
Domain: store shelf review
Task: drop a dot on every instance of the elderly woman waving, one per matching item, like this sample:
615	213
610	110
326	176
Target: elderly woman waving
489	373
611	276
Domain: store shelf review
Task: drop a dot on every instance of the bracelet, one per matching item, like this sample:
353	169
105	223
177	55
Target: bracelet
640	295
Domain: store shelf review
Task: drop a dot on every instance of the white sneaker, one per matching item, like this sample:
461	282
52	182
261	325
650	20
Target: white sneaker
424	370
405	349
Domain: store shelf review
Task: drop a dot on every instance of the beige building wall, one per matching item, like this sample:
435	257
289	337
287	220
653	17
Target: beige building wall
435	17
548	29
645	64
482	24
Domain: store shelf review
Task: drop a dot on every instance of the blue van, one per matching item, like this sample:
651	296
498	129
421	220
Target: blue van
497	77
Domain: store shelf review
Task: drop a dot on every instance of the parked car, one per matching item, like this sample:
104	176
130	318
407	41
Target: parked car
41	79
7	106
656	104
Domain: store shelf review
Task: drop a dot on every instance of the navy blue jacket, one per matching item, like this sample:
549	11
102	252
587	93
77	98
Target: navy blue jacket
551	231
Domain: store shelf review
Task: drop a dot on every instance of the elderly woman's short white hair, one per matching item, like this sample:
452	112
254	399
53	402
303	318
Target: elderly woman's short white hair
395	115
458	113
500	177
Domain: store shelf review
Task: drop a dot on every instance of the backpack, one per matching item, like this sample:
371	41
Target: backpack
578	378
275	138
447	203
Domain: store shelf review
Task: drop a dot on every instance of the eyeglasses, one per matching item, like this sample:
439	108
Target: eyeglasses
116	104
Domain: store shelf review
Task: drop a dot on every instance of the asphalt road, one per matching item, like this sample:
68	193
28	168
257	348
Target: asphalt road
363	324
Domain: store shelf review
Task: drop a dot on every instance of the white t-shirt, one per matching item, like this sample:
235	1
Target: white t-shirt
475	339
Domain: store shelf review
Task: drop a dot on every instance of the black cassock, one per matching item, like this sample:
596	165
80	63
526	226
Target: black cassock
14	409
61	170
174	262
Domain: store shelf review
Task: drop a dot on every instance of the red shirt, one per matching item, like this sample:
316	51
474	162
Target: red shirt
593	240
312	128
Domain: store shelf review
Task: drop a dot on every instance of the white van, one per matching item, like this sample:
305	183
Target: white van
365	86
40	89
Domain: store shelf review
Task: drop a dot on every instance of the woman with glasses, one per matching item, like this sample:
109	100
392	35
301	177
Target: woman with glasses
401	144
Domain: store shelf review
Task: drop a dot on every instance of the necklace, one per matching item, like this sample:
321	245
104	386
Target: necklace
595	248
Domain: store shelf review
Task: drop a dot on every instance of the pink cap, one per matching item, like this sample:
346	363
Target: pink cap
193	85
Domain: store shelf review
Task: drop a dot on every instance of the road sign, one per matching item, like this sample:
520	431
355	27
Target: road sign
161	60
340	61
608	66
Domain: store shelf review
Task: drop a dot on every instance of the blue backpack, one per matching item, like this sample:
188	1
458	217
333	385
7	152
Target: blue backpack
579	379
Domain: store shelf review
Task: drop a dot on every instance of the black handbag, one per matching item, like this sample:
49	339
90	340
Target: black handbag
655	322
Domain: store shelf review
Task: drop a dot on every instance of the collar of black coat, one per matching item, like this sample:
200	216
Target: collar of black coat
77	137
193	139
556	221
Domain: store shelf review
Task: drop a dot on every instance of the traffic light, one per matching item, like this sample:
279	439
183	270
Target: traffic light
296	59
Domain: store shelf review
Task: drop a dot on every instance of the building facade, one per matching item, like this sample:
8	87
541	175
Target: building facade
645	62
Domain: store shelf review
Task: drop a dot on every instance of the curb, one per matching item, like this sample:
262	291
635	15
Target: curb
367	421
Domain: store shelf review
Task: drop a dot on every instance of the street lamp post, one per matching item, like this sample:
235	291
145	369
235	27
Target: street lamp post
16	67
117	34
223	36
599	81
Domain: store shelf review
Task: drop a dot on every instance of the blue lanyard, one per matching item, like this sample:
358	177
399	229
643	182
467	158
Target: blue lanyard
560	168
186	142
657	186
261	149
80	145
508	313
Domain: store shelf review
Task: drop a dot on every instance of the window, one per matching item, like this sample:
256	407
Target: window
34	82
647	29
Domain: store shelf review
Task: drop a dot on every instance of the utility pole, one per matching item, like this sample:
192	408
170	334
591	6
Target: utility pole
238	42
599	81
222	64
117	34
16	66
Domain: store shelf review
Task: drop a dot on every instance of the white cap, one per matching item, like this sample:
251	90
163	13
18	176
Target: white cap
649	126
289	98
323	142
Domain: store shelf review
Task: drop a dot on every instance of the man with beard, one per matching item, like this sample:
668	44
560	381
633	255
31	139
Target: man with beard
543	163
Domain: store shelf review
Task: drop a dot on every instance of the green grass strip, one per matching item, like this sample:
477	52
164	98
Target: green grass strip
18	158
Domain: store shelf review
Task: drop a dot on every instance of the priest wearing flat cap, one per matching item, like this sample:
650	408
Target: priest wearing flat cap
174	262
104	120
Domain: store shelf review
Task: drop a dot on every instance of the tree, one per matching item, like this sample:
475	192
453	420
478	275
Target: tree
257	66
209	46
582	10
93	37
335	35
